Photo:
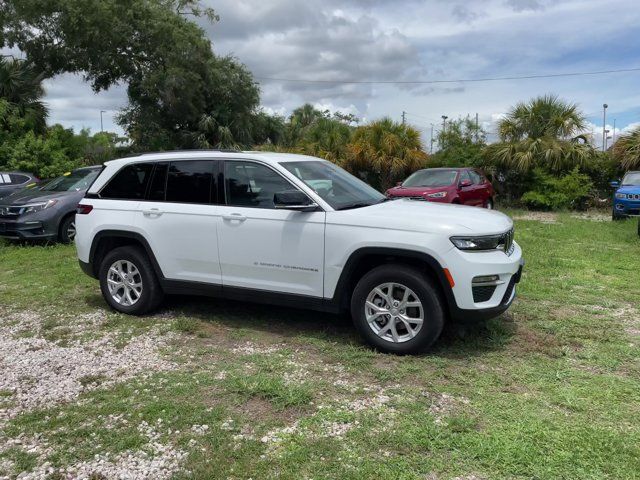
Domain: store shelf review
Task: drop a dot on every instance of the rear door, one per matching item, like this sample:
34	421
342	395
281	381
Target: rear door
179	219
264	248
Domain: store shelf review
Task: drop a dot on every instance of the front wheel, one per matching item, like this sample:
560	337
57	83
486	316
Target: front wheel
67	233
397	309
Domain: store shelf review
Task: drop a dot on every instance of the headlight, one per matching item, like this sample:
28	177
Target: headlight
437	195
621	195
490	242
36	207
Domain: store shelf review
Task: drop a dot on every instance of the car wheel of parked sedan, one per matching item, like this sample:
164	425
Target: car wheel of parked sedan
489	204
616	216
67	232
397	309
128	282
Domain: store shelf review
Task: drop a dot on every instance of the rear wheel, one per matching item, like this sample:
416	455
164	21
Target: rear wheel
67	233
488	204
397	309
128	282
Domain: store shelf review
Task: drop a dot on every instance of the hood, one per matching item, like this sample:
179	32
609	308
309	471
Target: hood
629	189
401	191
33	195
429	217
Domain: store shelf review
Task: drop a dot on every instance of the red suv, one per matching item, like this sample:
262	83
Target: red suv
465	186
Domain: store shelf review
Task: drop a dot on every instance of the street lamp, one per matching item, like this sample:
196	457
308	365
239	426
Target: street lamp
604	125
101	112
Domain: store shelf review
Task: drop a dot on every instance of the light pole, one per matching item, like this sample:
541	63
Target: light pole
604	124
101	112
606	137
614	132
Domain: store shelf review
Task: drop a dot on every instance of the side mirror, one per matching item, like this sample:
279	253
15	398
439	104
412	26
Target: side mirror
615	184
293	200
465	183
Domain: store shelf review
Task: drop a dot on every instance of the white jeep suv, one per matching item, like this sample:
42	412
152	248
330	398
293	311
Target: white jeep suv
292	230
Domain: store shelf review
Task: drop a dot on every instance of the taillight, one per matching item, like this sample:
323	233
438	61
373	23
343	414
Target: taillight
84	209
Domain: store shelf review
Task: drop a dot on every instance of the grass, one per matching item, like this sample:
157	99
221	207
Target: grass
549	390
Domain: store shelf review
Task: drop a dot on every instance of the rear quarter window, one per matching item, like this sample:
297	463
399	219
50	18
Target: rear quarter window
130	183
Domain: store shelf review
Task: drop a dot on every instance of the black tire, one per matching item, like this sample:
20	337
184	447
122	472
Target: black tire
67	226
489	204
151	295
616	217
423	288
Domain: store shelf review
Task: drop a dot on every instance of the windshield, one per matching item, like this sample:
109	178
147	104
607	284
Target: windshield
631	179
335	186
75	181
431	178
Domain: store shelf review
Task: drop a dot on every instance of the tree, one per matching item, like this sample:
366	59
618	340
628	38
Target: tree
544	132
21	92
462	144
385	152
626	150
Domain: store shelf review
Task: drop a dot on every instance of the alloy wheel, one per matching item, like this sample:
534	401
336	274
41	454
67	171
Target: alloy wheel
71	230
394	312
124	282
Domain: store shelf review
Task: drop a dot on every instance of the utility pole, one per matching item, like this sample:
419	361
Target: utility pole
431	149
604	125
477	127
444	129
101	112
613	140
403	116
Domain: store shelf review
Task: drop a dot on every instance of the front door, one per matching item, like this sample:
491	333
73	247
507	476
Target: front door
264	248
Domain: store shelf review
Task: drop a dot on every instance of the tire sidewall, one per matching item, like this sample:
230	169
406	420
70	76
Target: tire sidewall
64	226
148	298
422	287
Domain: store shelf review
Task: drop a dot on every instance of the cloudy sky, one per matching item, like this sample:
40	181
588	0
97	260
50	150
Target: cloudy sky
409	40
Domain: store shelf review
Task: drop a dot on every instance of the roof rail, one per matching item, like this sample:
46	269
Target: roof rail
203	150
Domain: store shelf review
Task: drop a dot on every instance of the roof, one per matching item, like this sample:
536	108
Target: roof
266	157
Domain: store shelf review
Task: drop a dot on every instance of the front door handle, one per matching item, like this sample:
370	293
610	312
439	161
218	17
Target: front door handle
234	216
152	211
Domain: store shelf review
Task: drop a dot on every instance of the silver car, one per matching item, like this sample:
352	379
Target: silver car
46	212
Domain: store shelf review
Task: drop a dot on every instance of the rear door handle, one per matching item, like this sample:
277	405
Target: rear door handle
234	216
152	211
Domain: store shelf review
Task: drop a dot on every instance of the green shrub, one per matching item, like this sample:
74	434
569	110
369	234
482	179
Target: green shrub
555	193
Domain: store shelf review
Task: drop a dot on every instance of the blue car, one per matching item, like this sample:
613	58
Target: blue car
626	199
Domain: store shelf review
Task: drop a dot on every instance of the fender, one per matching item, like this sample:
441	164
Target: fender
342	290
122	234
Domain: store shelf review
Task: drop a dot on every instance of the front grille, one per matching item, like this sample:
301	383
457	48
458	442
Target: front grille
506	242
483	293
7	211
416	198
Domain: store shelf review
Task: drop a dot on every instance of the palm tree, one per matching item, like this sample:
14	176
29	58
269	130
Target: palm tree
385	151
626	150
21	89
544	132
327	138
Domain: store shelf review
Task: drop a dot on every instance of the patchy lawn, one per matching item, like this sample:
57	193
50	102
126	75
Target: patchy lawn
213	389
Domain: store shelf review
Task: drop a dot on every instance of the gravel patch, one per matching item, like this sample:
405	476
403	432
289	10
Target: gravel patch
36	372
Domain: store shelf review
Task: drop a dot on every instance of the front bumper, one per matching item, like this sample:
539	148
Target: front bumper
25	230
472	315
626	207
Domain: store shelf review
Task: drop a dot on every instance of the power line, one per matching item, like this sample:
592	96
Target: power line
461	80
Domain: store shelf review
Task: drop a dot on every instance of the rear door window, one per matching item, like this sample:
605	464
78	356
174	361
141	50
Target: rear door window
130	183
192	181
18	179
